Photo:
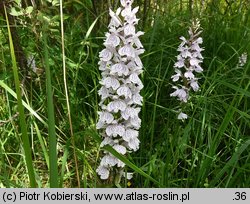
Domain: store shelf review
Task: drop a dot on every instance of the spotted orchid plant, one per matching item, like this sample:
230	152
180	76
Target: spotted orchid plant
120	103
188	64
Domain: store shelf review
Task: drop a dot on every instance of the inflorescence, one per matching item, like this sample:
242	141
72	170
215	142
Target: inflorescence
188	63
120	104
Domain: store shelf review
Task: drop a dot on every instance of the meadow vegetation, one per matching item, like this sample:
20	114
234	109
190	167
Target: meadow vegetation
49	82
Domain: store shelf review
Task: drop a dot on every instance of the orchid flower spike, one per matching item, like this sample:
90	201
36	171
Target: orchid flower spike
120	103
187	66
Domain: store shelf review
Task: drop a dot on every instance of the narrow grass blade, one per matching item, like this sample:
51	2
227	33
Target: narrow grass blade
3	167
32	111
45	153
23	124
235	88
64	162
124	159
53	171
90	29
67	95
235	157
27	106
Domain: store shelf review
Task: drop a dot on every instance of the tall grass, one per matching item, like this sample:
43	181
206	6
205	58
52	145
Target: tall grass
22	121
66	91
53	165
210	149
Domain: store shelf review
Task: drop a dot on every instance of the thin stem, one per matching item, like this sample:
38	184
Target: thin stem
67	96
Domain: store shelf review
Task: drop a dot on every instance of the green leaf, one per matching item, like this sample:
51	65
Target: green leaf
234	159
22	121
18	2
29	10
14	12
124	159
91	28
236	88
32	111
27	106
55	2
53	172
